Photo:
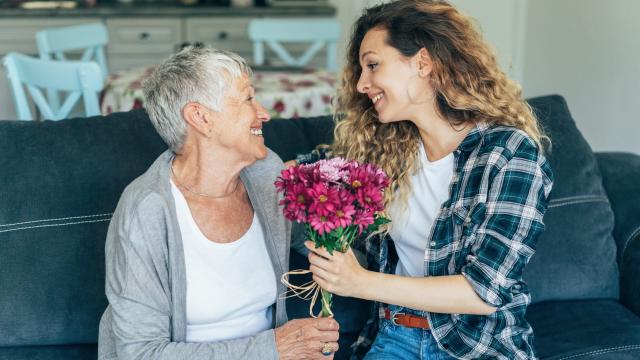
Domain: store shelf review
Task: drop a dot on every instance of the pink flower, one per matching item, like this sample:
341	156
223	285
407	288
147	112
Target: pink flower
363	218
332	170
296	202
287	178
324	200
321	224
330	194
370	197
343	216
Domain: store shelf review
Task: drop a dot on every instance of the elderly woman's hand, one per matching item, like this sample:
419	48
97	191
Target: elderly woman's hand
290	163
306	338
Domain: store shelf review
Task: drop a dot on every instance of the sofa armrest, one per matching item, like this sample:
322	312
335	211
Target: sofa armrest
621	178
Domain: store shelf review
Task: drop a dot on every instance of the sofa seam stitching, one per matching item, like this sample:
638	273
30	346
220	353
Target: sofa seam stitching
634	233
603	351
50	225
577	197
54	219
578	201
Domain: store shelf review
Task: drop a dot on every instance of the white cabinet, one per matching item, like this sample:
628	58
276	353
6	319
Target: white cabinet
226	33
134	42
20	34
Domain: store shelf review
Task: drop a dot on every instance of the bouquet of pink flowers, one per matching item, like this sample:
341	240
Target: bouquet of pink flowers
338	201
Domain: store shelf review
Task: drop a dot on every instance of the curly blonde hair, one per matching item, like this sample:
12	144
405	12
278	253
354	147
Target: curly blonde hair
466	78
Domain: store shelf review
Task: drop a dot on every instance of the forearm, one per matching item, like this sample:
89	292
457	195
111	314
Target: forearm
441	294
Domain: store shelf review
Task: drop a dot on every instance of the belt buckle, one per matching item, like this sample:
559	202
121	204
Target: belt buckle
394	320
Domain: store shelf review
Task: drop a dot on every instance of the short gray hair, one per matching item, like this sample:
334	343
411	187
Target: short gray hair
195	74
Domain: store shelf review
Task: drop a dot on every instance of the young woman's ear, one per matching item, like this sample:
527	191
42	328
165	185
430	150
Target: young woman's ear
424	63
198	117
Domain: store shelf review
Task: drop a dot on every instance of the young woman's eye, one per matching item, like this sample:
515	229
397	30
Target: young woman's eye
372	66
250	99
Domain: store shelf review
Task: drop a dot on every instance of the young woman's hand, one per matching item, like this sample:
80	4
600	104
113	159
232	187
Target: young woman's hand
339	273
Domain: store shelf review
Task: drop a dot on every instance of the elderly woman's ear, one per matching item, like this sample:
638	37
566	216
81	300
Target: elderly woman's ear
199	117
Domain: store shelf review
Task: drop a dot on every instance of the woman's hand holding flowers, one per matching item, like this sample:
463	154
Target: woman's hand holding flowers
340	273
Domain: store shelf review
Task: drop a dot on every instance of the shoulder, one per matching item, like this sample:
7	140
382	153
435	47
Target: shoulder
144	202
509	142
267	168
512	149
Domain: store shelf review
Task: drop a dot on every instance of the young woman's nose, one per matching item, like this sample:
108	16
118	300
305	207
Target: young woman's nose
363	84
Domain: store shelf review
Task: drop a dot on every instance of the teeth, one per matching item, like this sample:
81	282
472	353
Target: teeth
376	98
256	132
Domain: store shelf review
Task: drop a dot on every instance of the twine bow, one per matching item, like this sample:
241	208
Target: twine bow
306	291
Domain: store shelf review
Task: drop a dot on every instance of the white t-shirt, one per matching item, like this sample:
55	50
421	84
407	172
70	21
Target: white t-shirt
231	287
412	228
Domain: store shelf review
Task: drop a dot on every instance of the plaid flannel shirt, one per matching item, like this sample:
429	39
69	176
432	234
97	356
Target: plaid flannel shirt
486	231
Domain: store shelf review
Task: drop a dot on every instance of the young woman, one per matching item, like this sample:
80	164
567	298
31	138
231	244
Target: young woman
424	99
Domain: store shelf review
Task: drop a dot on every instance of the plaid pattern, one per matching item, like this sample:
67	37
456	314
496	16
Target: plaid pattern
486	231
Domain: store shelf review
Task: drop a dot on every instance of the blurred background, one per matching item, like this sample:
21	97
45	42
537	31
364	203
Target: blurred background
586	50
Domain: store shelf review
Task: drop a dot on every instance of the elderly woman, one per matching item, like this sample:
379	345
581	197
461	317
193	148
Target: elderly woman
197	243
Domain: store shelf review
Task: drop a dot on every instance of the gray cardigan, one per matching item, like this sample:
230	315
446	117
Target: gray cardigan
145	270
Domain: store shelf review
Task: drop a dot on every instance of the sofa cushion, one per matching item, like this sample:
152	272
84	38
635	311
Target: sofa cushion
290	137
66	352
60	183
588	329
576	255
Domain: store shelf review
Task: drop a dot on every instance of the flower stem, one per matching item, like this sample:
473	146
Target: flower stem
326	303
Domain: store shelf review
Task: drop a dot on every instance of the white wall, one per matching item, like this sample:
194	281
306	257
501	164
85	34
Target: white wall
502	22
589	52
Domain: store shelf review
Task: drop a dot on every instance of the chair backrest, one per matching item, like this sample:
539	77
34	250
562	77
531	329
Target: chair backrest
78	78
92	38
273	32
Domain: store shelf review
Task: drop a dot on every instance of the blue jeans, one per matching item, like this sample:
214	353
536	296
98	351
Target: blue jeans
400	342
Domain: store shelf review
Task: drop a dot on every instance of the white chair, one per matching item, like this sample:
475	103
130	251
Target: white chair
78	78
91	39
274	32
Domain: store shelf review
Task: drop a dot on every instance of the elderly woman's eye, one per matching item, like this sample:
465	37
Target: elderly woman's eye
250	99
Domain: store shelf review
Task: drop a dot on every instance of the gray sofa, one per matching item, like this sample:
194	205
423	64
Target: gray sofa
60	182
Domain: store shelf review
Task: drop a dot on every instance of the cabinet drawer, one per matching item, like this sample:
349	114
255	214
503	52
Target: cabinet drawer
143	36
20	34
228	33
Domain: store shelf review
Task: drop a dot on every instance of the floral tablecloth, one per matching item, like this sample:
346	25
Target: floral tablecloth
289	94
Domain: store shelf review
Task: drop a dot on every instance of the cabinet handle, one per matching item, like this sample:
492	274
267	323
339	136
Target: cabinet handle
222	35
144	36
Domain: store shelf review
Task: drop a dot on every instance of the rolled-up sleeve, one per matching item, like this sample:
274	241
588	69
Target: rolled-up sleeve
506	238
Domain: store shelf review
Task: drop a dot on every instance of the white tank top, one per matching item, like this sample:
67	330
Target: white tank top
411	229
231	287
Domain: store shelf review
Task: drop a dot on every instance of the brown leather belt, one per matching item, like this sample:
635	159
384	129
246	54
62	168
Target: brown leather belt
407	320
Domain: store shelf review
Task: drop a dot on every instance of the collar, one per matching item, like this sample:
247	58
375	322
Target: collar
474	137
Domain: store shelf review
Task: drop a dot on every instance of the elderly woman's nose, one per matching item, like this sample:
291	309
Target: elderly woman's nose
262	113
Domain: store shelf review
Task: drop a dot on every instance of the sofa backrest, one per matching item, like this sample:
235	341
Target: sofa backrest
61	182
576	255
59	186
